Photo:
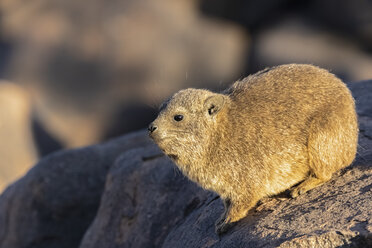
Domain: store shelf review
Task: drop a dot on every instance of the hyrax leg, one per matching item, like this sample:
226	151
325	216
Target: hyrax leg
234	211
309	183
331	146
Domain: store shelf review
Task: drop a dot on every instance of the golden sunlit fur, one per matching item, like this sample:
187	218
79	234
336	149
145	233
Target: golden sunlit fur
261	136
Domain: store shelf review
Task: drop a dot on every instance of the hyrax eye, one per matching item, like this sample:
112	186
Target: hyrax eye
178	117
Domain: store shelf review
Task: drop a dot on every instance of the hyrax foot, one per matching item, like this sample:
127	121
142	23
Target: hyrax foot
232	214
308	184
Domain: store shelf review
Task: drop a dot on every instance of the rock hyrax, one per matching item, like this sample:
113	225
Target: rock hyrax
266	133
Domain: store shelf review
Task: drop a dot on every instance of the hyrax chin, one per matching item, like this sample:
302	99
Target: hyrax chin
281	126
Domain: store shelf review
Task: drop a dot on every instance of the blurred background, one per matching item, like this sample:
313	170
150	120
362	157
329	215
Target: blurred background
75	73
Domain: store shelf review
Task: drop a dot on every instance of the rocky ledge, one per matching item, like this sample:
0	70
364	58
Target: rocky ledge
125	193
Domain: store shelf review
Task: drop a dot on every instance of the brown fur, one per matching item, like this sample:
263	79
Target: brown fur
264	134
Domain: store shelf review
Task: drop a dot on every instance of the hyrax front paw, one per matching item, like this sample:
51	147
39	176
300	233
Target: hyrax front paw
296	192
308	184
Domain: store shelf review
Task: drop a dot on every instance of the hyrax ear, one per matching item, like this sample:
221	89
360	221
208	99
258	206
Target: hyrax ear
214	104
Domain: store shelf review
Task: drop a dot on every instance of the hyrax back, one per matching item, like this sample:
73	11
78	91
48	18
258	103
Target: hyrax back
261	136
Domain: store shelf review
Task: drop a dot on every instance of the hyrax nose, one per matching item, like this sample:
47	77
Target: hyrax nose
152	128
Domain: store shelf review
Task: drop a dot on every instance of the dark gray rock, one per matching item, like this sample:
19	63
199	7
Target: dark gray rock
362	93
145	198
53	205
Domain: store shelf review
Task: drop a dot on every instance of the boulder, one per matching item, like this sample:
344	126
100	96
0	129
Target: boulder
126	193
154	198
55	202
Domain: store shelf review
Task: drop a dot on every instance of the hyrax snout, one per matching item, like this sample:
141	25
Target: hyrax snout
266	133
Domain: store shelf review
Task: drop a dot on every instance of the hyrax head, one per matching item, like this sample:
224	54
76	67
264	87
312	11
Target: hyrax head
186	122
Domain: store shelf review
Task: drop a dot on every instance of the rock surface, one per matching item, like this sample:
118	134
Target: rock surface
130	195
154	198
55	202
